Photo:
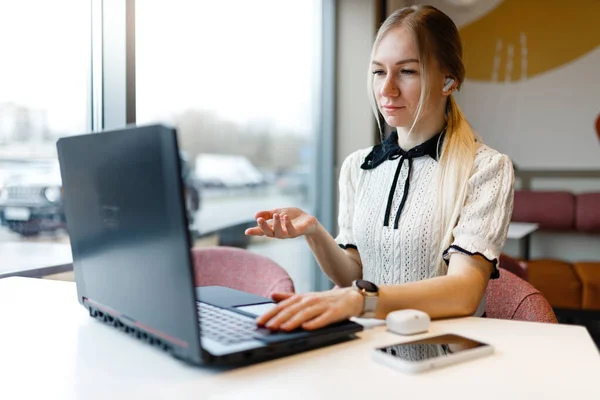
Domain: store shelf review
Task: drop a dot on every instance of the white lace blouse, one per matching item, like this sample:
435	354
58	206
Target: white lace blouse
407	252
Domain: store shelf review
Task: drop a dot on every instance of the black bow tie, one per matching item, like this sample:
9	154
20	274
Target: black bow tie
389	150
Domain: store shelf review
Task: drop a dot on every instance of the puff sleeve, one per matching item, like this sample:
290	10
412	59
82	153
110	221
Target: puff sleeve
347	192
483	222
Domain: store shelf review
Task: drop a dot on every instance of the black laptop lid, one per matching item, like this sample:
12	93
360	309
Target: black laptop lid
128	229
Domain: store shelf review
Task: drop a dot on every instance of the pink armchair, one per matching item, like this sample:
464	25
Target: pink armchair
510	297
239	269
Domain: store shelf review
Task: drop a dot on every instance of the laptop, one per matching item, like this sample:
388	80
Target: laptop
127	221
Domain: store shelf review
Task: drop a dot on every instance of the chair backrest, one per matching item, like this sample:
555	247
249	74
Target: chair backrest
587	212
239	269
552	210
510	297
515	266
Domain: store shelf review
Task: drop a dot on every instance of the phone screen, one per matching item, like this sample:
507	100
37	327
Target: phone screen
432	347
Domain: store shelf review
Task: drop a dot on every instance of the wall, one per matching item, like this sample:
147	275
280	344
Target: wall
531	90
354	119
355	124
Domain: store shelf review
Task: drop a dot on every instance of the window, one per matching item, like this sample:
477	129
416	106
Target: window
238	80
44	81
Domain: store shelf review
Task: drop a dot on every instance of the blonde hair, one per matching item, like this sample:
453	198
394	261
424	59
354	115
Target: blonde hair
437	38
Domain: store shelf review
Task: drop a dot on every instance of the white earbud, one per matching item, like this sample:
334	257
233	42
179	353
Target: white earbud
448	84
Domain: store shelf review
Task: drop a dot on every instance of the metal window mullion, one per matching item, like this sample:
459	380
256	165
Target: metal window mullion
130	62
323	195
97	99
118	63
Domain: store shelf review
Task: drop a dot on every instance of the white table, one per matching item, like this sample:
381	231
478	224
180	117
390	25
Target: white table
51	349
34	259
522	231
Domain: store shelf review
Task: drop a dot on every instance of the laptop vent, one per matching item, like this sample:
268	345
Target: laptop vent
131	330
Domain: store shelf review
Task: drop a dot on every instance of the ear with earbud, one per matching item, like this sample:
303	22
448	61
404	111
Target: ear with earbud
448	84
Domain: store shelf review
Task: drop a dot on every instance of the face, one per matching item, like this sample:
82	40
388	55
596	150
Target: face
397	79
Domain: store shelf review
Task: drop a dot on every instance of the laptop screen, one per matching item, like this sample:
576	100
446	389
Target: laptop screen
128	228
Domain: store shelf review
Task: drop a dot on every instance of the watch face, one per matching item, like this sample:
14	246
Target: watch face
367	286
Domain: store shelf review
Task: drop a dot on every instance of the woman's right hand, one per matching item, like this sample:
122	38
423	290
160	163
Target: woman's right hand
283	223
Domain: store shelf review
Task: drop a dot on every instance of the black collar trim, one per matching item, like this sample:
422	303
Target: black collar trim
389	150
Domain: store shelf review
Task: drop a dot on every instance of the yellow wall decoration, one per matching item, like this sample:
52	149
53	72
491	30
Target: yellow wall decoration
521	39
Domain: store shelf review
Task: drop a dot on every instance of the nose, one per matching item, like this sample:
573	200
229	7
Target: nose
389	87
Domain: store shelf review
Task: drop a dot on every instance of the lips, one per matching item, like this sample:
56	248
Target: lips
392	108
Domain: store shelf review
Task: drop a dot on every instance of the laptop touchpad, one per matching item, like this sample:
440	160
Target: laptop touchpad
256	309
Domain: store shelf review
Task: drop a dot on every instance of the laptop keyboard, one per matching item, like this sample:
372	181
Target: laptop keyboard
225	326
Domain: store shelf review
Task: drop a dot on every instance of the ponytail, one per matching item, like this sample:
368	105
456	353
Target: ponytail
455	166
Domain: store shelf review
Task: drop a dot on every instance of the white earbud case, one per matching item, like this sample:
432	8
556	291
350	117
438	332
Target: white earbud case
407	322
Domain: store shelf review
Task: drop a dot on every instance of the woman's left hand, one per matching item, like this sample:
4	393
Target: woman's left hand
312	310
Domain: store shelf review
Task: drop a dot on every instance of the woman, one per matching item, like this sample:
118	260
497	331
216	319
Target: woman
423	216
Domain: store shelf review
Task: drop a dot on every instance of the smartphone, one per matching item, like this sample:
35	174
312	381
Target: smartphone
429	353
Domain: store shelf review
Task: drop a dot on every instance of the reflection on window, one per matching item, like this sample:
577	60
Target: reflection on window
44	75
237	79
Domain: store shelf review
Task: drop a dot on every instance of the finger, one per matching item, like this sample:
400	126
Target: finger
266	214
289	312
303	316
277	297
254	231
277	226
291	231
266	317
264	225
324	319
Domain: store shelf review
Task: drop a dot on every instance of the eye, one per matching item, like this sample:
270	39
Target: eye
407	71
379	72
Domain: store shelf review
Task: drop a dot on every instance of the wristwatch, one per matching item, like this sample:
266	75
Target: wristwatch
370	294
